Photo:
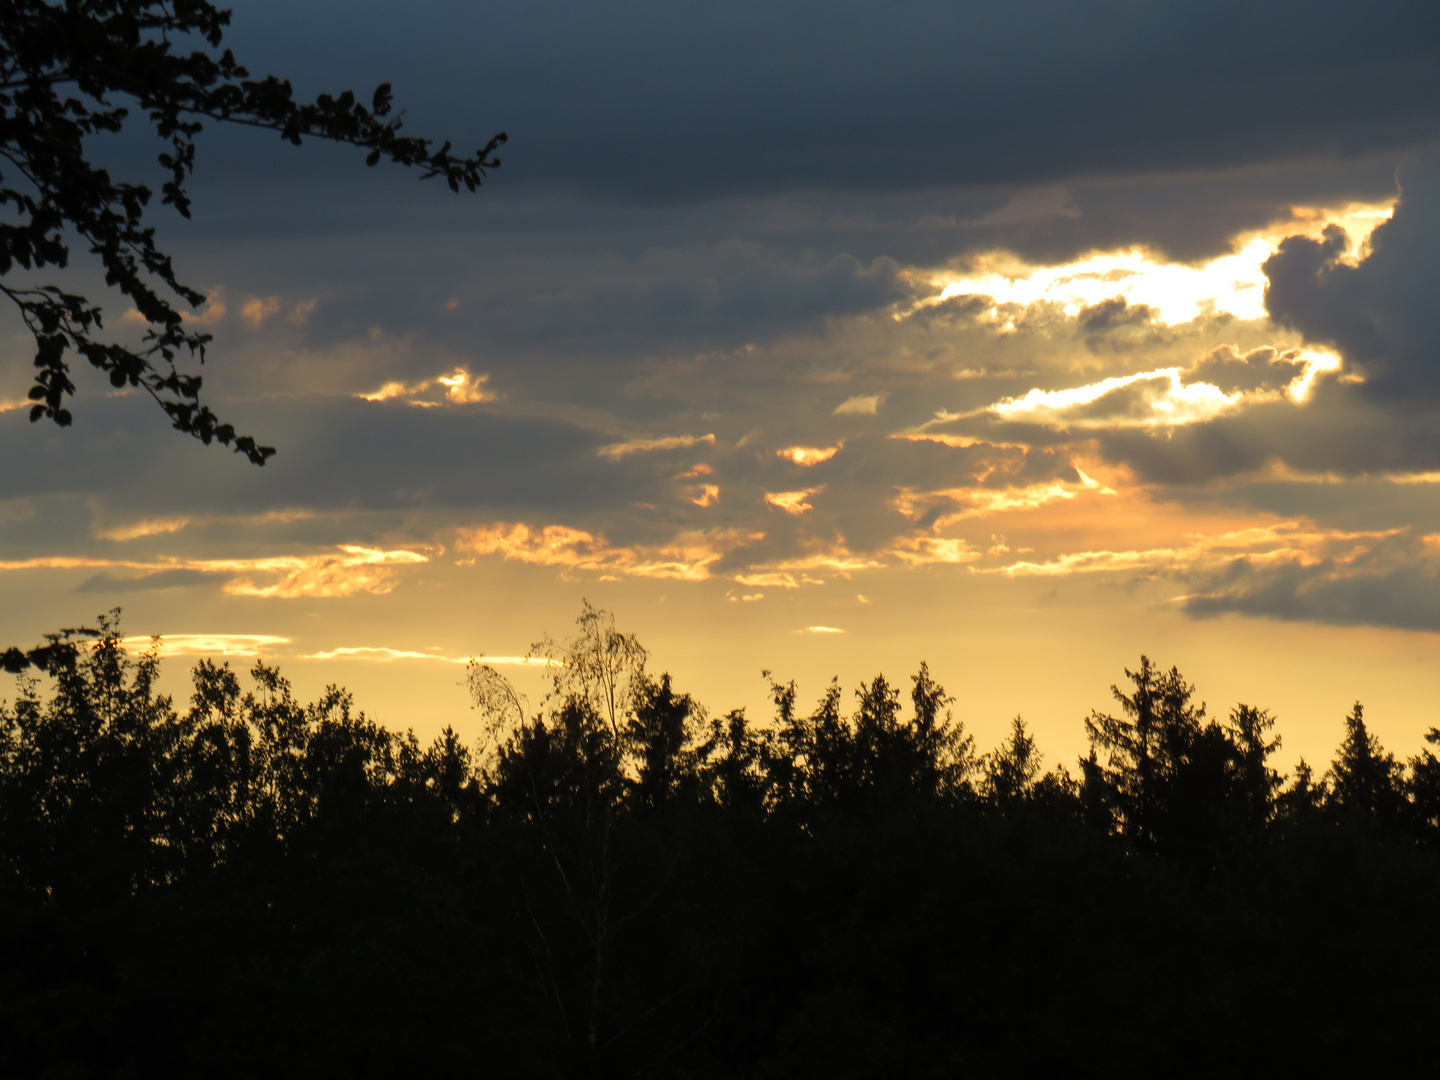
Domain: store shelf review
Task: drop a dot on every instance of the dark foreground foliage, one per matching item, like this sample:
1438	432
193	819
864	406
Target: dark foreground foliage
619	885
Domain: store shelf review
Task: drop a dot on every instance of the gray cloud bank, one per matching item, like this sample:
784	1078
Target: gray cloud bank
1395	584
1381	313
648	99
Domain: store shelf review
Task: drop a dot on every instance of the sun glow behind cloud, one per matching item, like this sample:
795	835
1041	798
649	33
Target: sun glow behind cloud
1232	284
1159	398
807	456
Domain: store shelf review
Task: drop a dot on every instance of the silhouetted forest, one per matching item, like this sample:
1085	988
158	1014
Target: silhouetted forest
617	883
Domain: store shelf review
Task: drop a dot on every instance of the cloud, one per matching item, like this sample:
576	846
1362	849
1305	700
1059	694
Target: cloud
1393	582
154	581
354	570
616	451
926	550
1282	543
864	101
792	502
937	509
1033	204
1145	399
861	405
136	530
459	387
350	570
1220	383
1378	309
257	309
810	455
690	556
821	630
382	655
812	569
208	644
1265	368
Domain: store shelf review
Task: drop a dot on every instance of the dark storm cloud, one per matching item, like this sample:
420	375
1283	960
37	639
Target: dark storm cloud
724	298
645	98
1380	314
1392	585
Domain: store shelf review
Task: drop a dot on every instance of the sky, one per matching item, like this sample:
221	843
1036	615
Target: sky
818	339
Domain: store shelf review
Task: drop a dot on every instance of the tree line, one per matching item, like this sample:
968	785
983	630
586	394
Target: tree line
615	882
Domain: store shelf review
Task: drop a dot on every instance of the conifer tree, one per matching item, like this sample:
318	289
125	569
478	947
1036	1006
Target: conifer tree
1365	779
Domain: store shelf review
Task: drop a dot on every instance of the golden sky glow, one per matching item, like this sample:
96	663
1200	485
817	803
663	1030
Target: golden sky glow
904	481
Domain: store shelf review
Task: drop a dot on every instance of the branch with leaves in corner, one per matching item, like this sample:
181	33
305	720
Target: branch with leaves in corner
62	68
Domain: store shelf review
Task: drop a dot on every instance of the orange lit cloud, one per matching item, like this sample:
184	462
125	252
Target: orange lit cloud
257	309
793	502
688	557
354	570
810	455
350	570
923	550
459	387
1286	542
977	502
136	530
208	644
808	570
209	314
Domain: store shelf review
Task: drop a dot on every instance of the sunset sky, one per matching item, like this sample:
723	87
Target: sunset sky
825	338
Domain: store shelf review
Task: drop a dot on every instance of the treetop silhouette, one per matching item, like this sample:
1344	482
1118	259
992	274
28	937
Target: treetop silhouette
618	883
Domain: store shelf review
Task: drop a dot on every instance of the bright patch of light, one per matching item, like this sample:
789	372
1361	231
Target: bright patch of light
1317	362
459	387
792	502
810	455
1161	400
207	644
1233	284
